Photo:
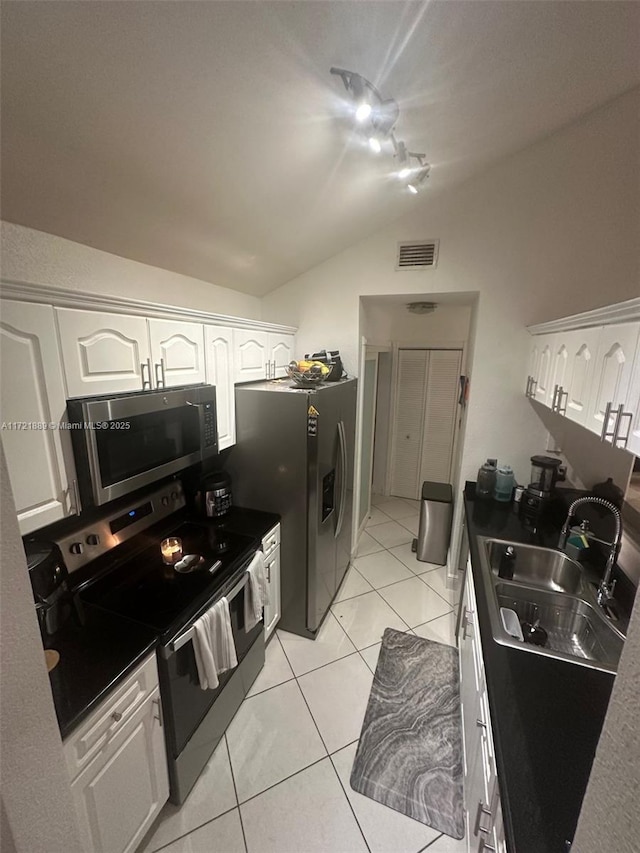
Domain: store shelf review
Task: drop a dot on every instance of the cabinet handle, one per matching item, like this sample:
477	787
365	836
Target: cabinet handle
528	388
554	404
481	724
605	423
158	716
75	498
269	573
562	408
465	622
146	383
534	387
616	430
116	716
484	846
159	371
482	810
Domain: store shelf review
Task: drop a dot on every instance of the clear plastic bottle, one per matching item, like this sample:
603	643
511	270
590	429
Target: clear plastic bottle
486	482
505	482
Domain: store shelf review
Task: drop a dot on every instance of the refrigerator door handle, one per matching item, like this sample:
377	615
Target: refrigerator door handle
343	477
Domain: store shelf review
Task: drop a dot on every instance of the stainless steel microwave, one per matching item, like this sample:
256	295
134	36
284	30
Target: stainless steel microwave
126	441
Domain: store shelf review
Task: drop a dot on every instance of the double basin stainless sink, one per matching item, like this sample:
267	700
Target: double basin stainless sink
550	589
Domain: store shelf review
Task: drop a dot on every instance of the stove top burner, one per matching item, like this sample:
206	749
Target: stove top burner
146	590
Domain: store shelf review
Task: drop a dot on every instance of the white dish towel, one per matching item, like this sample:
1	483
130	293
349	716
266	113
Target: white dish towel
213	644
256	592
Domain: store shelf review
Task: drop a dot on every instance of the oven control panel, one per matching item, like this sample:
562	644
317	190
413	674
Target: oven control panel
101	535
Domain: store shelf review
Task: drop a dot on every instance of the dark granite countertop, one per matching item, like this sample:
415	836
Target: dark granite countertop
546	714
97	651
251	522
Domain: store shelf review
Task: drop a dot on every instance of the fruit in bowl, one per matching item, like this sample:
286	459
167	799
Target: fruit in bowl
313	368
307	373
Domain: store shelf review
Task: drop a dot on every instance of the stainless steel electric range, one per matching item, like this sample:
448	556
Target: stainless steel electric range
116	565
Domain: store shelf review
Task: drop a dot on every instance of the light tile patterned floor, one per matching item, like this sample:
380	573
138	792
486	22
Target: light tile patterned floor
279	780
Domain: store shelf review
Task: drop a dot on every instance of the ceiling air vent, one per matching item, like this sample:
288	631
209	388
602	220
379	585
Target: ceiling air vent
417	256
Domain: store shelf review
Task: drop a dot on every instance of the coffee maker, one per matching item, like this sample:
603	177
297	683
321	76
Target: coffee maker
545	473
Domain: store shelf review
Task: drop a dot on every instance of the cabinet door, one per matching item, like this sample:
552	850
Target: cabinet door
32	392
218	343
533	361
544	388
612	373
118	796
177	353
560	362
281	352
631	430
102	353
582	346
250	354
272	609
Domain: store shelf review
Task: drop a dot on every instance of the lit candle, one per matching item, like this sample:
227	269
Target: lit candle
171	550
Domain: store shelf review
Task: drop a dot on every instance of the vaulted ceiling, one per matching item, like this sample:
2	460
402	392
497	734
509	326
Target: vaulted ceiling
210	139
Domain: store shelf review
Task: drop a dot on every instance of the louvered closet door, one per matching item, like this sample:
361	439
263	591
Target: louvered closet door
441	410
409	422
425	419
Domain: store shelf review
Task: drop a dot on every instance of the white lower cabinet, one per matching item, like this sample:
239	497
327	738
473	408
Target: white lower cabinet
119	757
271	549
485	831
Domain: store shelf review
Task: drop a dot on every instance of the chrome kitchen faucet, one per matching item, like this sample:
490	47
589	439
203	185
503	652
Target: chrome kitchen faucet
605	589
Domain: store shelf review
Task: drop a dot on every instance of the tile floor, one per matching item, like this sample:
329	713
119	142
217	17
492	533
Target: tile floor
278	781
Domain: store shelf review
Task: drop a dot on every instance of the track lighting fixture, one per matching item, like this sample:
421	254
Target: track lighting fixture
375	119
413	174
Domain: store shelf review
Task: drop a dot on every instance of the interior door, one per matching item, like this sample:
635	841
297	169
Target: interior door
425	419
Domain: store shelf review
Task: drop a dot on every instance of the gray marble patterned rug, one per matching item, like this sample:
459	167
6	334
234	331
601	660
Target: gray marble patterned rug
409	754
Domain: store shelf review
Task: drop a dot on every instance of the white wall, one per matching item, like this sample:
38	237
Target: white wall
386	324
544	234
38	813
39	258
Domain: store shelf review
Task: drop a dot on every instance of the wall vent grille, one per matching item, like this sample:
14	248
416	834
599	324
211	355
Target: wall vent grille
417	256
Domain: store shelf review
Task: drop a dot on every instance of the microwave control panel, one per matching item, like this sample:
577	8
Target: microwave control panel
210	427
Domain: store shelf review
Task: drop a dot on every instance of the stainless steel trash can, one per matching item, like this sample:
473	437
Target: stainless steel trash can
434	531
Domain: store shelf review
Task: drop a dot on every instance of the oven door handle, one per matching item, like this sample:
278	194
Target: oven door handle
184	638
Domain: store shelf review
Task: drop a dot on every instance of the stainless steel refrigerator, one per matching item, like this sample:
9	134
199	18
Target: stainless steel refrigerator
294	455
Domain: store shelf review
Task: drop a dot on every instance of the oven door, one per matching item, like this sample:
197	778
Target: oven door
128	442
184	702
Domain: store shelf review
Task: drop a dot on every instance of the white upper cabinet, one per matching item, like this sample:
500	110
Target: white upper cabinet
103	353
281	352
543	389
33	392
582	347
630	428
218	342
251	353
612	373
177	353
